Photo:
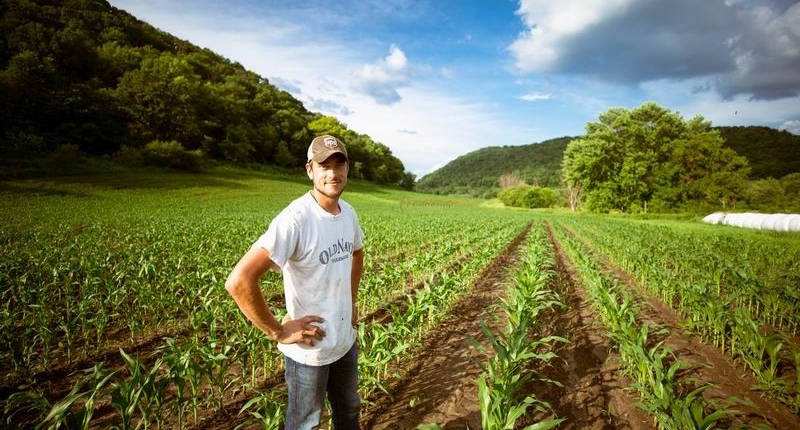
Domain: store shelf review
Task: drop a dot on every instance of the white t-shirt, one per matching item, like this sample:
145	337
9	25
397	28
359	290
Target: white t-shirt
314	250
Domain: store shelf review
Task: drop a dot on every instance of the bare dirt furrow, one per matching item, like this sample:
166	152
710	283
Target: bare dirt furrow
707	363
593	395
439	385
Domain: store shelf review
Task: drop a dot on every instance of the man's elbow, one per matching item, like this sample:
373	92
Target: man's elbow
233	285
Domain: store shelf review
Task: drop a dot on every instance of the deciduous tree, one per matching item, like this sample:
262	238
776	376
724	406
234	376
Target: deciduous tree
631	159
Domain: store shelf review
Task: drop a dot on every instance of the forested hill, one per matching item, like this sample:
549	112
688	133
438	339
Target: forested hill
478	173
771	153
89	77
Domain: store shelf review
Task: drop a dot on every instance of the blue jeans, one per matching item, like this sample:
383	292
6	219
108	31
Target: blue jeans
307	386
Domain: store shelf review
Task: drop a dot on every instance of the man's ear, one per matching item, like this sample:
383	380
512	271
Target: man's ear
308	170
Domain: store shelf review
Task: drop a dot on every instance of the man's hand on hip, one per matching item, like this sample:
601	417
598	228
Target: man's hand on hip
301	330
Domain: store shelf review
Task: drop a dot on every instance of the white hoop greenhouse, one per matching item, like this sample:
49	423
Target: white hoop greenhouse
778	222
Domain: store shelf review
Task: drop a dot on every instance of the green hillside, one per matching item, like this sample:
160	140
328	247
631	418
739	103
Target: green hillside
771	153
83	77
477	173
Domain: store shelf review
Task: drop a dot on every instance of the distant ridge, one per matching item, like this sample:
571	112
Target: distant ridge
477	173
771	153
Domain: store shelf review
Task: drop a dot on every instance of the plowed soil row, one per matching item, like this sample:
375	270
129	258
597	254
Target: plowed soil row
707	364
440	385
593	395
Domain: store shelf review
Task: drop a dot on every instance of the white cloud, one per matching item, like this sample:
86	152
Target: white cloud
396	60
792	126
532	97
549	23
382	80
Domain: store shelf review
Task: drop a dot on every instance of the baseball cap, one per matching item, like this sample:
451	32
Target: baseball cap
323	147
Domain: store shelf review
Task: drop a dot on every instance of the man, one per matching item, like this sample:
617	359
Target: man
317	243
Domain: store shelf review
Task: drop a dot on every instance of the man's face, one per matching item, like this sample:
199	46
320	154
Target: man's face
330	176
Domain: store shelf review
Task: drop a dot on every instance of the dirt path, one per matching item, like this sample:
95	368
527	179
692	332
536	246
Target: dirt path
440	386
707	364
593	395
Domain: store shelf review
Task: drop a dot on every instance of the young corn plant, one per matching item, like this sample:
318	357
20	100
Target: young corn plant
690	411
662	395
76	409
178	363
143	390
217	358
507	373
656	379
22	404
379	345
265	410
505	376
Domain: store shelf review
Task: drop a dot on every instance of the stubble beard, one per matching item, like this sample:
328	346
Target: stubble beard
334	195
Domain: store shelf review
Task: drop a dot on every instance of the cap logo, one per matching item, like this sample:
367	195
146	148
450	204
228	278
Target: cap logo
331	143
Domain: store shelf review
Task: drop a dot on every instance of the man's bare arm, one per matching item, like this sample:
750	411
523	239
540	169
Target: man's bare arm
243	285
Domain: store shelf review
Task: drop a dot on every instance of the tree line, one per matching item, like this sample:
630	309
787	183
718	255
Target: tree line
652	159
82	74
647	159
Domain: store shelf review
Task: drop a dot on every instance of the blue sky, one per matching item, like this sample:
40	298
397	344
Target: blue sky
435	79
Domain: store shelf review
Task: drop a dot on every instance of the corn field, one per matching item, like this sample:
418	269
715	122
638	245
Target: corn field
738	292
114	313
